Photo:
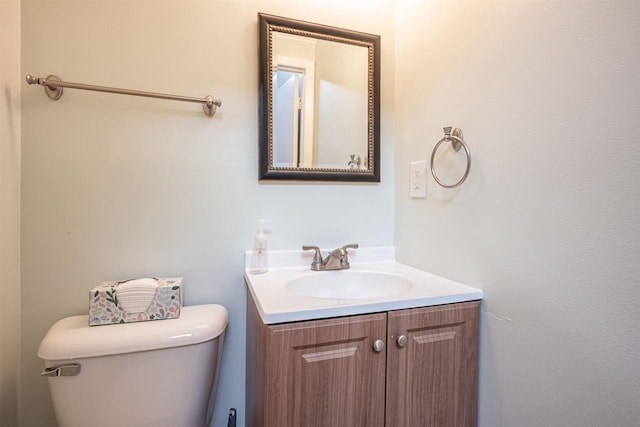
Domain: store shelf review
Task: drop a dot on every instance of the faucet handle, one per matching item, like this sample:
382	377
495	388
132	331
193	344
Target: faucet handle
317	256
344	258
350	246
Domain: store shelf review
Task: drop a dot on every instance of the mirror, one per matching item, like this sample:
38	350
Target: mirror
319	102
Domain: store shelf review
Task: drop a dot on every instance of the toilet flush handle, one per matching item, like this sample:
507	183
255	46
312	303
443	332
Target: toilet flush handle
67	370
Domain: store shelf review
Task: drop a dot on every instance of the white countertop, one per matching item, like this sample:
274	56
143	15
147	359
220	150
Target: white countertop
276	304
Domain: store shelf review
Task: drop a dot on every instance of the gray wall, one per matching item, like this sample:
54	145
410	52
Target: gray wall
117	187
547	96
9	211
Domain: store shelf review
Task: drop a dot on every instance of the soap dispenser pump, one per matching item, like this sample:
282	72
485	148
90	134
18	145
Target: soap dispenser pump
259	261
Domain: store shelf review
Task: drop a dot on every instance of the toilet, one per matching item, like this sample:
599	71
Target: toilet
156	373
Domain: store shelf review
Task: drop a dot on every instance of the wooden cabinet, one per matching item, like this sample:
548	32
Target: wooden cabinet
327	372
433	379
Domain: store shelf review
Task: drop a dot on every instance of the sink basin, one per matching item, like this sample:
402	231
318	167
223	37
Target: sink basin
349	284
291	292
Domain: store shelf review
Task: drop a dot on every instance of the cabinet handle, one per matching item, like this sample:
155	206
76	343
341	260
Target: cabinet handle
402	340
378	346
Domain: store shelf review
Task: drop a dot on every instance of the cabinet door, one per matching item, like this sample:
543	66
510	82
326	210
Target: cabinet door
433	379
326	373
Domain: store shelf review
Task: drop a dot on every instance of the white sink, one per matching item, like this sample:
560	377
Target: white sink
348	284
291	292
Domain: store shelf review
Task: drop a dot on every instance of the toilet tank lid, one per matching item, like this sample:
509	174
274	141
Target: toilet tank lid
73	338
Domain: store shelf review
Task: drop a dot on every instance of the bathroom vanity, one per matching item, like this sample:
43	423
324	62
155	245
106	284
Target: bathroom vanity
334	361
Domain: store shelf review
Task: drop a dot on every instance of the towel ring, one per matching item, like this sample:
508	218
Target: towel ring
456	143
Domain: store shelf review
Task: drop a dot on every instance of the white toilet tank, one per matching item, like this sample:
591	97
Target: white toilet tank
158	373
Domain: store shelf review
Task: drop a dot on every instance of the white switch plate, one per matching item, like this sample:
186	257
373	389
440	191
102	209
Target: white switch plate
418	181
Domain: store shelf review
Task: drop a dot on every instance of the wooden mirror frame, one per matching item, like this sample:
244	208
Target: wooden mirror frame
267	171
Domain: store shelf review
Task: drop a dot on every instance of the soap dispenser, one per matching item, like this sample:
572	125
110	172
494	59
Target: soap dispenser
259	261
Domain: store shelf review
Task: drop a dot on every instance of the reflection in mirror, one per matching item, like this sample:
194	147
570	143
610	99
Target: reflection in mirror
319	102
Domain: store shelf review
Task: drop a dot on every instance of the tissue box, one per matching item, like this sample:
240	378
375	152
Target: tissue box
104	308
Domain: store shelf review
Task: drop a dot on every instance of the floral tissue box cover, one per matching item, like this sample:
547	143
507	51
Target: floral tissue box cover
147	299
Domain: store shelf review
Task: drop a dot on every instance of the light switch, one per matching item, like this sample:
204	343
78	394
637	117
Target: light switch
417	181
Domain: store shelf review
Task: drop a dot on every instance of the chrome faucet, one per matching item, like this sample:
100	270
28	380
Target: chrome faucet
338	259
355	161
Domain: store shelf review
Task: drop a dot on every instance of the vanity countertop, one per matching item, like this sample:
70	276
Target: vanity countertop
277	303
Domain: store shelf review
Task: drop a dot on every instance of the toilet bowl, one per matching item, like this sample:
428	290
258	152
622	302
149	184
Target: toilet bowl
157	373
